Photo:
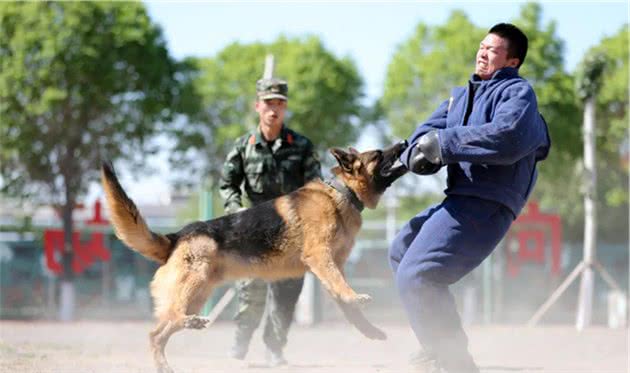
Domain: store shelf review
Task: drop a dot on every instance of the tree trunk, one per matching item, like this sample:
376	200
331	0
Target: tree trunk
585	302
67	291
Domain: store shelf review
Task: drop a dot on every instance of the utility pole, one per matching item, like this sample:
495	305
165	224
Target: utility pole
269	67
585	304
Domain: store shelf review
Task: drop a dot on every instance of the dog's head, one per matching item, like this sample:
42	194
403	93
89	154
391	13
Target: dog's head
370	173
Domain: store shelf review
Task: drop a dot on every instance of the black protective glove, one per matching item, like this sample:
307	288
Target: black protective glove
426	156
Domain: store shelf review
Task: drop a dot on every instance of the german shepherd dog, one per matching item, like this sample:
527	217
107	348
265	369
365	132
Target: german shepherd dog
311	229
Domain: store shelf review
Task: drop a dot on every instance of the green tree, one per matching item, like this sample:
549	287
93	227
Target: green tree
558	186
612	99
425	68
544	69
612	125
79	83
324	95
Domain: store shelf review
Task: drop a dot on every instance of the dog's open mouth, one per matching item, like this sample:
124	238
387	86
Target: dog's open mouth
393	165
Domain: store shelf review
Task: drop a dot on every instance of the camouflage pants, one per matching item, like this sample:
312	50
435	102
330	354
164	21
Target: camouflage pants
280	298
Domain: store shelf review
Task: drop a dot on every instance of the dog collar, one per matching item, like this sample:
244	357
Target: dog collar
346	192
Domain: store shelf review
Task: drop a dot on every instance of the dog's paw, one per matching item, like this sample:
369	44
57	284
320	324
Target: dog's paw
196	322
363	299
165	369
375	333
359	299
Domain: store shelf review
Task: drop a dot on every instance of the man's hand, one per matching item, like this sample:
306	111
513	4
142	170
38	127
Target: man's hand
426	156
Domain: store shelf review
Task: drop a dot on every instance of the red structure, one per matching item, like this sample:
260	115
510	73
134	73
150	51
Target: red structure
530	235
86	252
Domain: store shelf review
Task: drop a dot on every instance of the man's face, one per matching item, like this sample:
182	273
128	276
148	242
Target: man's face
271	112
492	56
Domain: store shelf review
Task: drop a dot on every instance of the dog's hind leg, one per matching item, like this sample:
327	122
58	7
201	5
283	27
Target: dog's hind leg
159	336
179	306
195	321
183	315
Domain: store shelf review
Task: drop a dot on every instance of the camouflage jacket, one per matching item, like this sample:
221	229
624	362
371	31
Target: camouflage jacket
267	170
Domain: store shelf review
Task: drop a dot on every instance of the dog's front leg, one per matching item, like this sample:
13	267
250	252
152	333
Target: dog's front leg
331	275
324	267
354	315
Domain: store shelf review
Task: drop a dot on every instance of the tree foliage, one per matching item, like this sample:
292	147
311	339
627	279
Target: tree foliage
612	99
425	68
324	94
544	69
559	184
561	188
611	116
589	77
79	83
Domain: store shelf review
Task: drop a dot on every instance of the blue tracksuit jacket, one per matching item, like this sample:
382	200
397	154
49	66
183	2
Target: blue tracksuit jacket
491	148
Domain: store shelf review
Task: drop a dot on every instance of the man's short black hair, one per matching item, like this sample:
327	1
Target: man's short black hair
517	41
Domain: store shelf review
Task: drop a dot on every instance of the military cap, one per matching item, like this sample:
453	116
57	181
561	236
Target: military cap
266	89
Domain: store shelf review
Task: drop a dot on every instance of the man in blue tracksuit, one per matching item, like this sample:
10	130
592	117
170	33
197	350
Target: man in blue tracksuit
490	136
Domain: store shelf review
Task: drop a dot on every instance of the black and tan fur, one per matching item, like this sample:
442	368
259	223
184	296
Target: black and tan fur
311	229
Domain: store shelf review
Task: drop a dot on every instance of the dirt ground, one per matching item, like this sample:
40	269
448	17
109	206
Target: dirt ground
111	347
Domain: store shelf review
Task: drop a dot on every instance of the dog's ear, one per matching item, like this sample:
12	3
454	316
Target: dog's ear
345	160
353	151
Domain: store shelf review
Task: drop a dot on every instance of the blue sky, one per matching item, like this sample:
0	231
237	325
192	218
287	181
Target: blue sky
367	31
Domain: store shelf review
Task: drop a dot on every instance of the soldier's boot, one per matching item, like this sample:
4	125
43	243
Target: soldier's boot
275	357
240	347
239	351
251	306
462	364
424	362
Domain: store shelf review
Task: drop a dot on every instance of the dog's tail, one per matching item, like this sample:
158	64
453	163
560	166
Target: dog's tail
128	224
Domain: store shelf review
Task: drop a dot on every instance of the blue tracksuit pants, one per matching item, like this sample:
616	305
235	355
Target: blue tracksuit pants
435	249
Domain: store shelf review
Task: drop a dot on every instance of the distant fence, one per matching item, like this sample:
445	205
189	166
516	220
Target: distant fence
502	289
495	292
115	289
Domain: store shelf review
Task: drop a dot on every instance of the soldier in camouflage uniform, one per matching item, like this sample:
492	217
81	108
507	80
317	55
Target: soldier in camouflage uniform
268	162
